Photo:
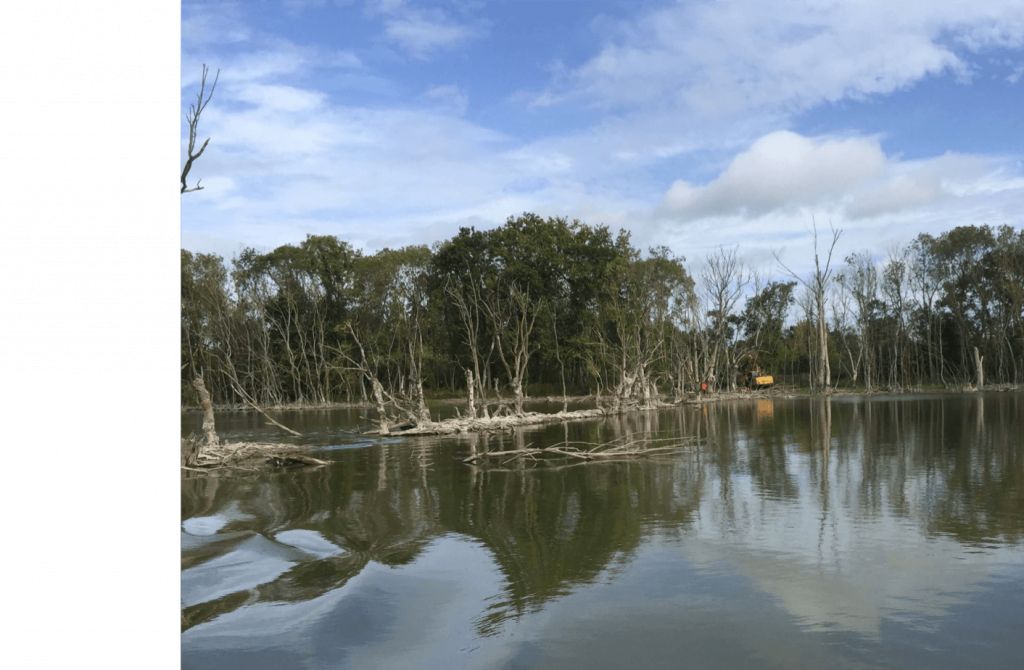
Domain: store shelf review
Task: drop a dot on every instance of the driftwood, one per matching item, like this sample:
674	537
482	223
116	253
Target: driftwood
619	449
507	421
491	423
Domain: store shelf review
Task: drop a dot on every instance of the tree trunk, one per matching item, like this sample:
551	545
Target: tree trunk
978	361
422	411
824	369
209	428
469	392
378	395
517	395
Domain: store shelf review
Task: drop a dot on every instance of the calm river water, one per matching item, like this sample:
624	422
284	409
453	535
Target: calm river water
883	532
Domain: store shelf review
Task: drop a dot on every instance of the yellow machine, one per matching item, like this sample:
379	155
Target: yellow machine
761	381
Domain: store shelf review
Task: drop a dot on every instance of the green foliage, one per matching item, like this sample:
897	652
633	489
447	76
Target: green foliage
287	325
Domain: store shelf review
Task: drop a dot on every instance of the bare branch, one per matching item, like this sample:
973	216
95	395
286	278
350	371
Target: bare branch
192	117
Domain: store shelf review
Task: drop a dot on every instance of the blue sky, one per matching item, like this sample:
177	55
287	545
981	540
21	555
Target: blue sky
693	124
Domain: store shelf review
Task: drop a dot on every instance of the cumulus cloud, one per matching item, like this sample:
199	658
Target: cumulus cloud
780	170
787	172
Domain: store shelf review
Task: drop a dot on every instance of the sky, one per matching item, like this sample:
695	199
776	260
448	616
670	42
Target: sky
695	124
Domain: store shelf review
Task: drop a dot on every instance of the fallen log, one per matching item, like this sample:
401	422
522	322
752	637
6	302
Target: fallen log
493	423
587	451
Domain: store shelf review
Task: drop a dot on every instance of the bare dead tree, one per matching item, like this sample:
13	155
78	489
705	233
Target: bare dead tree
192	117
724	280
367	366
513	314
465	295
818	286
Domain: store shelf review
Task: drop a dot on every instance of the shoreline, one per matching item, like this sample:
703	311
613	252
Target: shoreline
245	455
465	425
447	401
779	391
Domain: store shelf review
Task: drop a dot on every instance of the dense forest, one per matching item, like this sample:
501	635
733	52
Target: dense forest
556	307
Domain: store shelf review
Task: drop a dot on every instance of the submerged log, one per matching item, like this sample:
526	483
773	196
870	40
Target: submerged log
294	460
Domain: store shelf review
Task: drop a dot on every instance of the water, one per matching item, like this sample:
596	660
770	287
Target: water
881	532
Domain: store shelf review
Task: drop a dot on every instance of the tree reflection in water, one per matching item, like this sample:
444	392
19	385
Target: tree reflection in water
939	467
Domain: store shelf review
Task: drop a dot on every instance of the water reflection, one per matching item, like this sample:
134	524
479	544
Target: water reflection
812	516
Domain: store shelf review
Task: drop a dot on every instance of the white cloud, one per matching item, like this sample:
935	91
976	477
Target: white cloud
448	97
729	58
781	170
852	177
280	97
421	32
288	157
211	24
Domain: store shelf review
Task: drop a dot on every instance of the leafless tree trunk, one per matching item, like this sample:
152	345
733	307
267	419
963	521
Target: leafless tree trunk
513	319
818	285
465	296
978	365
558	357
209	427
378	397
469	392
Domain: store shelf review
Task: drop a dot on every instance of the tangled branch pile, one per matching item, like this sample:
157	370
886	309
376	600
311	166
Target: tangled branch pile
242	455
618	449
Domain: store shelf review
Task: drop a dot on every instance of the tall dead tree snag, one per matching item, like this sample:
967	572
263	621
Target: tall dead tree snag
192	118
818	285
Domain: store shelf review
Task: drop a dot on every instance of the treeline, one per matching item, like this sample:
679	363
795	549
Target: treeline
571	308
